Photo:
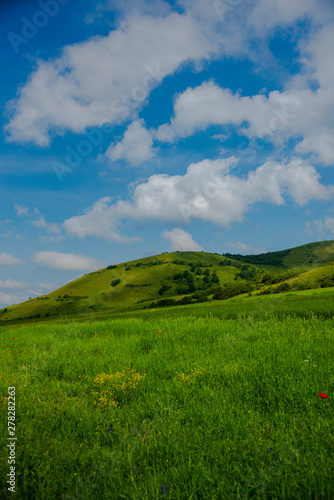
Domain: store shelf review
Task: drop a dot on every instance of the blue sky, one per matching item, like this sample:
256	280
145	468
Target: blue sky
130	128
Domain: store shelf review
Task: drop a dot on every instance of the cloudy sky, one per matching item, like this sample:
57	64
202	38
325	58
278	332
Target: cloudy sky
134	127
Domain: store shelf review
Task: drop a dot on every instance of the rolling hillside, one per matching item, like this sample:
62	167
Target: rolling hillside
316	254
181	278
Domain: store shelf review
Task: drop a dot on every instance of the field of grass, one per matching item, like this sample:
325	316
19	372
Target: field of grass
207	401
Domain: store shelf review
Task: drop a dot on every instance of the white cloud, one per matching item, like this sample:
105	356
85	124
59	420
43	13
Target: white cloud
8	260
105	79
244	249
323	228
6	299
207	191
20	210
278	117
135	147
67	261
109	78
99	221
241	22
49	227
181	240
268	14
297	177
13	284
208	104
297	112
48	287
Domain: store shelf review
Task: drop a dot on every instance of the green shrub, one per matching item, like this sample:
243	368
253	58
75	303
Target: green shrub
115	282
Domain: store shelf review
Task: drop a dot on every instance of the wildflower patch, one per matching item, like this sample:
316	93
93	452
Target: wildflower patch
189	379
113	390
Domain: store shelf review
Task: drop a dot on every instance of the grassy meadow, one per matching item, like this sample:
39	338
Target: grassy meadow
207	401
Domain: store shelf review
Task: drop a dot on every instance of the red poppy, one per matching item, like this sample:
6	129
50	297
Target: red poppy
13	338
7	345
322	395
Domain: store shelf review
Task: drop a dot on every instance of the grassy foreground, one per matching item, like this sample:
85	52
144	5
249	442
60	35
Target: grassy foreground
175	405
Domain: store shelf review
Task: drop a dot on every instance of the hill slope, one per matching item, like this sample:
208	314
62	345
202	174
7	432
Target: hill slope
184	276
316	254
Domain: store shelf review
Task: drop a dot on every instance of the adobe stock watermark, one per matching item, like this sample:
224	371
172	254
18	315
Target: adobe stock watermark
224	7
280	119
120	108
31	27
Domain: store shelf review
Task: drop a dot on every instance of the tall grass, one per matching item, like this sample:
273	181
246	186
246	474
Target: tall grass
215	409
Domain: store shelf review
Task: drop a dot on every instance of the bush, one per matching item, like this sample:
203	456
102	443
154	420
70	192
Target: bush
267	291
326	282
178	276
111	267
283	287
185	300
201	299
163	289
165	302
115	282
215	279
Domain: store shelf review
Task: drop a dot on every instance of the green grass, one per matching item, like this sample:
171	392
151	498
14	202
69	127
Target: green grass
223	405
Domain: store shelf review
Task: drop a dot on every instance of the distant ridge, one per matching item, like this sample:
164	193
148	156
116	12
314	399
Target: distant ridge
318	253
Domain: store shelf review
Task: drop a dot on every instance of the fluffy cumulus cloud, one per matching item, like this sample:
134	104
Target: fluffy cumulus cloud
13	284
276	117
208	104
150	42
136	147
67	261
8	260
207	191
181	240
298	112
66	93
100	221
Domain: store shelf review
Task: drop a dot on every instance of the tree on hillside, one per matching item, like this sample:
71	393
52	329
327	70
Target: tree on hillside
214	278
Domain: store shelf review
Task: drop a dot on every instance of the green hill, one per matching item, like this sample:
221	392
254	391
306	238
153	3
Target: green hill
310	255
181	278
